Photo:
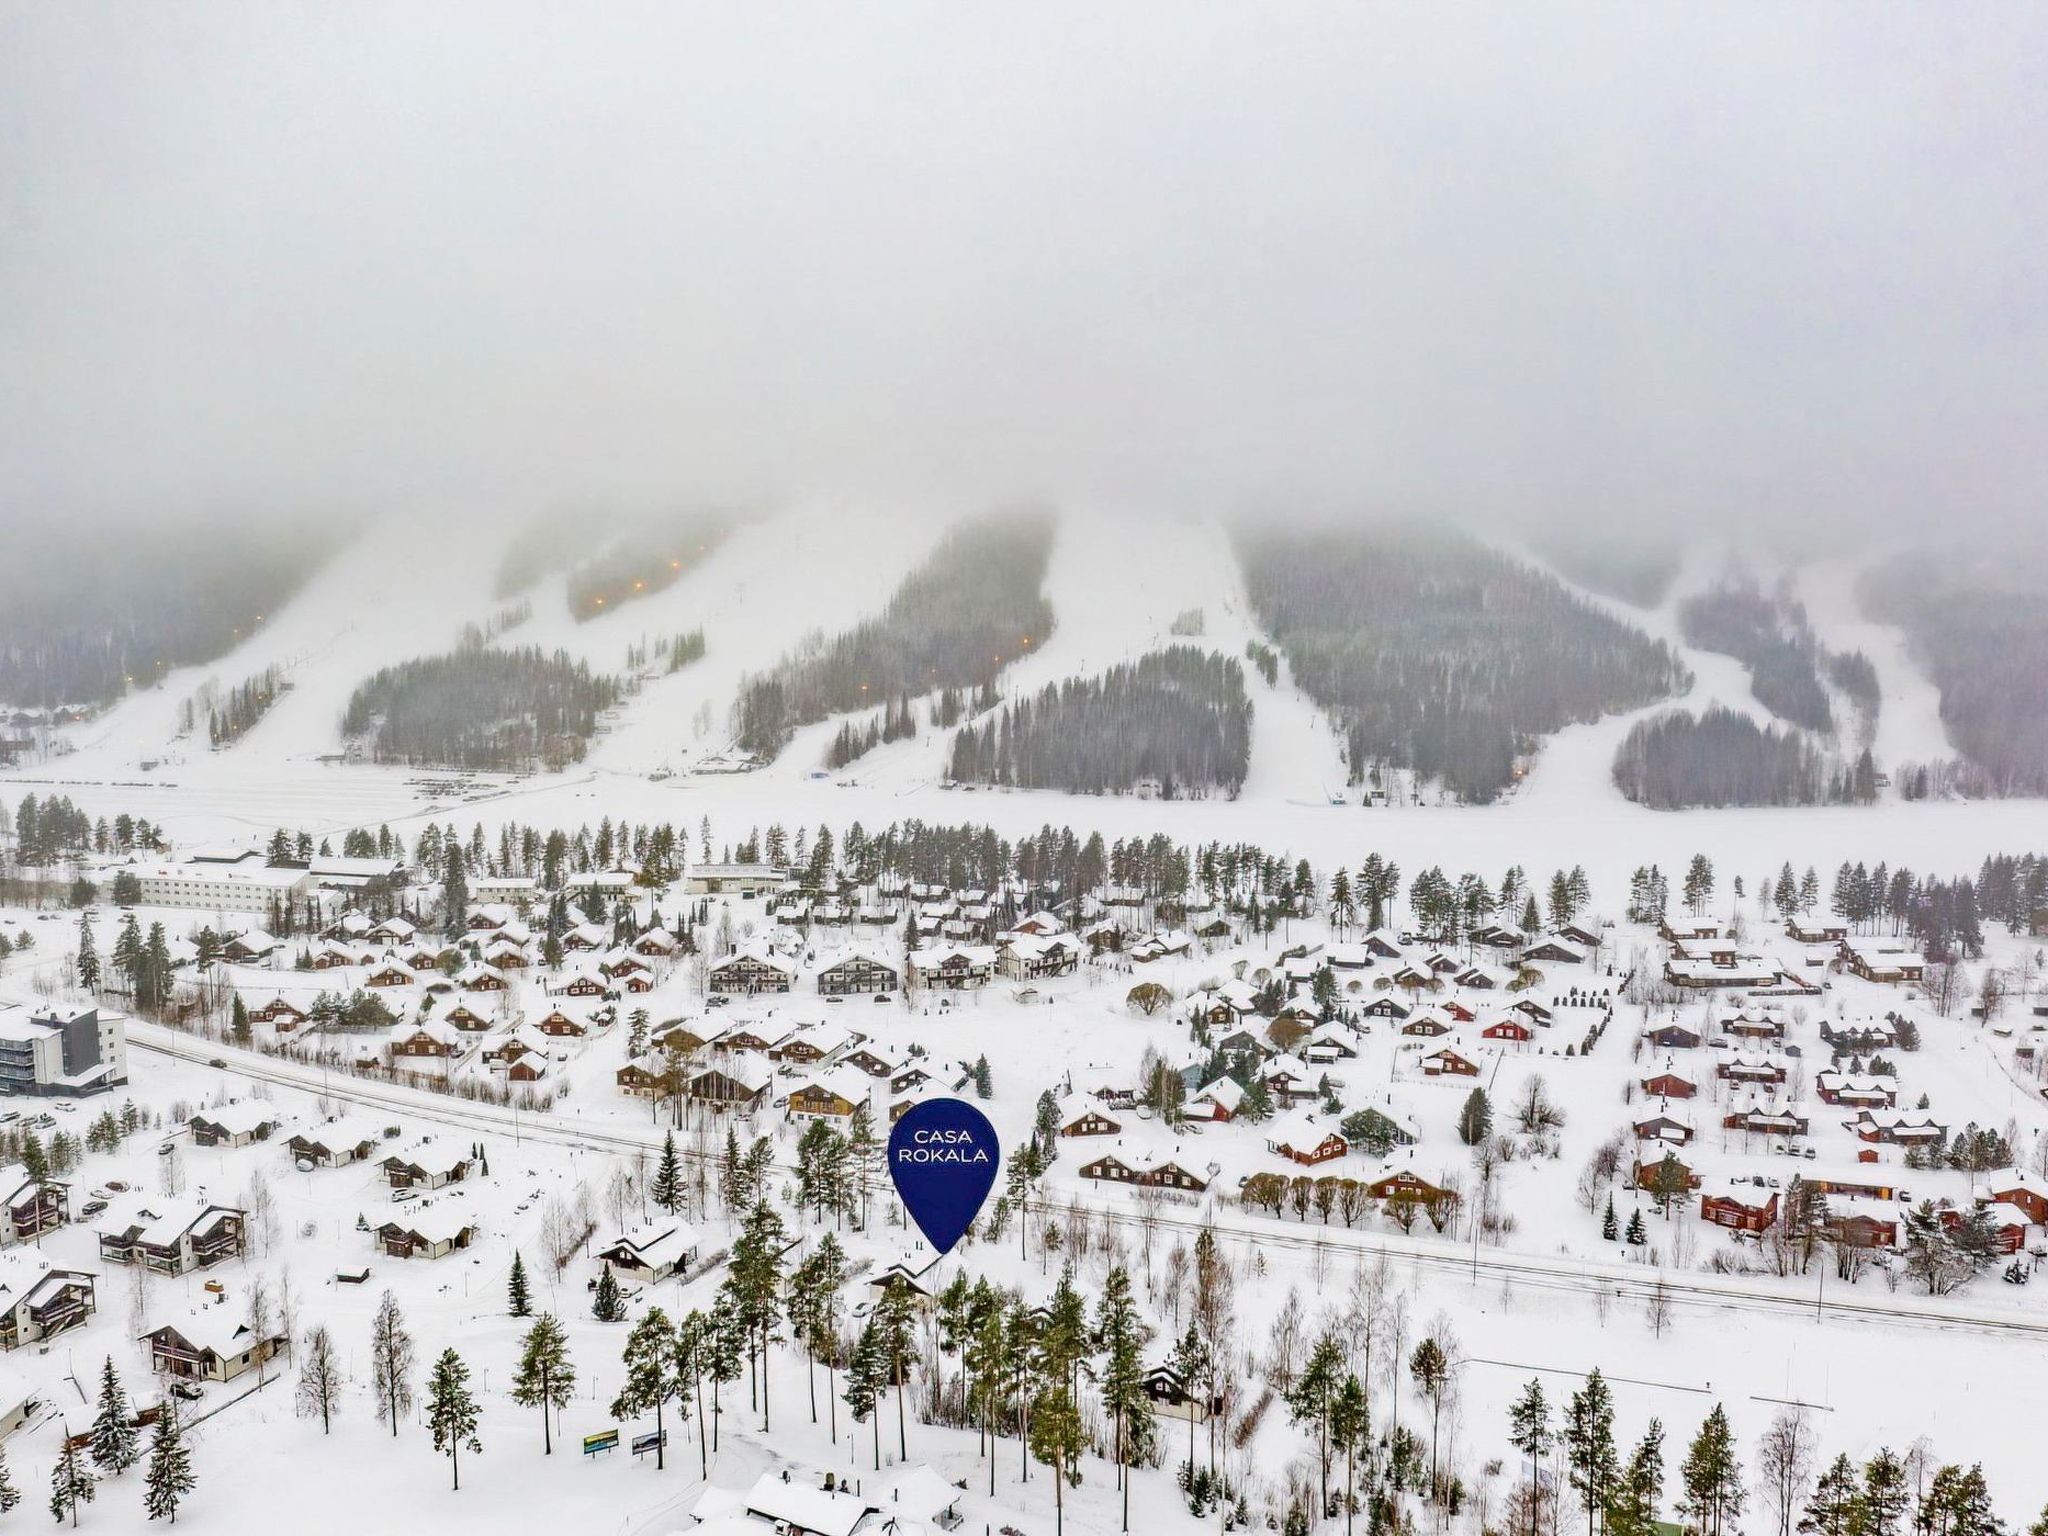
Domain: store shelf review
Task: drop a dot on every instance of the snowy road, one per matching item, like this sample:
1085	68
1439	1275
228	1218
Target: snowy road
1624	1283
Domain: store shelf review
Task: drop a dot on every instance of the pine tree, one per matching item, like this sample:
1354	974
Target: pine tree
667	1189
1610	1227
1589	1445
1712	1476
1886	1493
609	1306
1122	1333
71	1484
1633	1500
650	1377
452	1411
545	1379
170	1476
1636	1235
1835	1508
1057	1439
9	1494
115	1445
516	1289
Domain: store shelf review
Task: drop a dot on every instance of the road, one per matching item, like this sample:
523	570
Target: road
1624	1284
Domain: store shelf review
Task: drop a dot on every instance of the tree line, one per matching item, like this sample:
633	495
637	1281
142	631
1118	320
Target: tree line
481	708
1178	717
1438	655
974	606
1678	760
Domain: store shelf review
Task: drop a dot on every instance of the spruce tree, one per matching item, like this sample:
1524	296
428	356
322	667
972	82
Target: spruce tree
9	1494
170	1476
71	1484
115	1445
1529	1426
516	1289
609	1306
1475	1120
1636	1235
88	955
1610	1228
867	1375
667	1189
452	1412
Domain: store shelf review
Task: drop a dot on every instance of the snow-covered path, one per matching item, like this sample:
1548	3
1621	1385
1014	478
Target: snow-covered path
1909	726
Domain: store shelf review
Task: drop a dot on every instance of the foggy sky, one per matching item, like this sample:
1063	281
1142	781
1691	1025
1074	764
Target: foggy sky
1766	264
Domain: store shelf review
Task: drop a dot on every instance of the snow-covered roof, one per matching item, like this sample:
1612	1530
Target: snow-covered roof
656	1244
805	1506
223	1330
243	1117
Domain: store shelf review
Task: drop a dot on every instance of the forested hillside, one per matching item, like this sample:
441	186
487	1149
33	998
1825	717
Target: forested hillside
1721	758
1981	631
1769	634
89	616
1178	716
1439	655
481	708
956	621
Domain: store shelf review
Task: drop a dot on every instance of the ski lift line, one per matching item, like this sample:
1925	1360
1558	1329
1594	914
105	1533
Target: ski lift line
1627	1381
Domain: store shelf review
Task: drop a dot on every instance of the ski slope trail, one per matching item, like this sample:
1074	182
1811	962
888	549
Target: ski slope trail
355	615
1574	772
1117	582
1909	723
811	570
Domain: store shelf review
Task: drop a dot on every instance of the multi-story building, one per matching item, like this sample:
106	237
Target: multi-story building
61	1053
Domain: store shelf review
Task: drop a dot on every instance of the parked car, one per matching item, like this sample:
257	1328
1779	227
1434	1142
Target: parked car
190	1391
398	1195
92	1207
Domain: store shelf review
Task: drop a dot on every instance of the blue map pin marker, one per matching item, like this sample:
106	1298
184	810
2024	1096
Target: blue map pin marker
943	1157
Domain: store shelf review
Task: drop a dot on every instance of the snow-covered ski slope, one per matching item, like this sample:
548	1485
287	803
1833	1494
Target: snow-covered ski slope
1116	582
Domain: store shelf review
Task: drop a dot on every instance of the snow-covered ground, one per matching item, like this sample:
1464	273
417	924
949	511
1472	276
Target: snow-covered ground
1550	1298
